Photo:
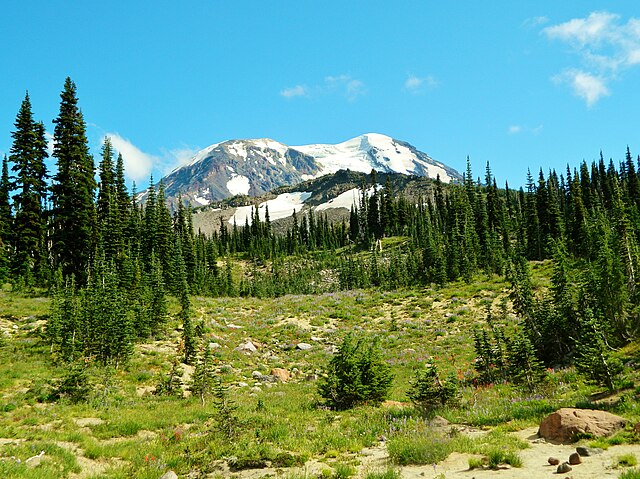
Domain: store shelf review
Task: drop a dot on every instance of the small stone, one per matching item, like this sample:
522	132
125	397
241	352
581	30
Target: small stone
564	467
35	461
169	475
280	374
256	389
247	347
575	459
588	451
256	374
554	461
304	346
214	345
242	384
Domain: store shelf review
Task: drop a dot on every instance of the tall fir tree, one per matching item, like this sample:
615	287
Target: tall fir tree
73	223
28	152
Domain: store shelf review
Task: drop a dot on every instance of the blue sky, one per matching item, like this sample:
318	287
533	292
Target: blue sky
519	84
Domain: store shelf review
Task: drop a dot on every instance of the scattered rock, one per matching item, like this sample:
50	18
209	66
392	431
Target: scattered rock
233	326
304	346
242	384
247	347
564	467
280	374
316	339
169	475
35	461
256	389
575	459
554	461
439	421
588	451
88	421
311	377
564	424
214	345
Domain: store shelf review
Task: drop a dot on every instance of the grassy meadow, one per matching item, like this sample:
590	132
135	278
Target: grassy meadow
123	430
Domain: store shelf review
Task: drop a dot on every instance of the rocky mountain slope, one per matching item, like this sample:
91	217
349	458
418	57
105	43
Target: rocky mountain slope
255	167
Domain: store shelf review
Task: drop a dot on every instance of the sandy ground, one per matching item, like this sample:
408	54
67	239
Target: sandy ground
535	465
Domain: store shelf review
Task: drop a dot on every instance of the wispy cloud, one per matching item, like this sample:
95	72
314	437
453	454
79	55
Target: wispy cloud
605	46
294	91
344	85
517	129
177	157
415	84
137	164
587	86
535	22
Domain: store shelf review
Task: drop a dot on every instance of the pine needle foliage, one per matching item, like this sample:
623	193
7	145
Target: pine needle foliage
356	375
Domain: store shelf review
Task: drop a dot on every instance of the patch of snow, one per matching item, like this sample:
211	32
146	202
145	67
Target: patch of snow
201	200
237	148
238	185
280	207
345	200
201	155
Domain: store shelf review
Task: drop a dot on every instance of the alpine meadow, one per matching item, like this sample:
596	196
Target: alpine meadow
423	325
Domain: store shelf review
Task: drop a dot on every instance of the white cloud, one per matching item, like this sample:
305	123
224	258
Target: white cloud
605	46
177	157
584	85
293	92
521	129
415	84
350	87
137	164
344	85
49	138
535	21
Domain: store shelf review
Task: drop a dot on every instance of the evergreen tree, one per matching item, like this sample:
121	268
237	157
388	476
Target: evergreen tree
593	356
28	152
357	374
73	221
203	381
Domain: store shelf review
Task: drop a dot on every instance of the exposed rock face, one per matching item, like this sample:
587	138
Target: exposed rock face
563	425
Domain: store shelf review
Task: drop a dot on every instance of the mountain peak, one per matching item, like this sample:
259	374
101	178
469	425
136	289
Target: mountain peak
255	166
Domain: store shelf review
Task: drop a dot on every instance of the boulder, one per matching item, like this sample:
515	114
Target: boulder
564	467
565	424
575	459
247	347
554	461
304	346
169	475
588	451
280	374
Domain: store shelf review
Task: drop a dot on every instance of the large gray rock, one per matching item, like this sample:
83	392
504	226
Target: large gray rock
565	424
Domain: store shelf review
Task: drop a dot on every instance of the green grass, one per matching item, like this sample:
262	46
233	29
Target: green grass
143	436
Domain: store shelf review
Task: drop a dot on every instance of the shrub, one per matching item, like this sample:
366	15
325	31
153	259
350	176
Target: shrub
356	375
429	392
626	460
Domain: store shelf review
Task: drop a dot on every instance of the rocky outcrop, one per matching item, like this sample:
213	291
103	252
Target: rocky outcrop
566	424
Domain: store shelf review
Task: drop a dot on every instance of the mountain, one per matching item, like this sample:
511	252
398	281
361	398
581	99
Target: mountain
255	167
331	195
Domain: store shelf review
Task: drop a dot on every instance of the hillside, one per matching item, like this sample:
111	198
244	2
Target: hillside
124	430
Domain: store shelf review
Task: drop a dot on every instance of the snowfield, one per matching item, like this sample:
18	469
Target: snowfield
280	207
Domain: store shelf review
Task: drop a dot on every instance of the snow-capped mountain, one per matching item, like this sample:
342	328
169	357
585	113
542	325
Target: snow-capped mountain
254	167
